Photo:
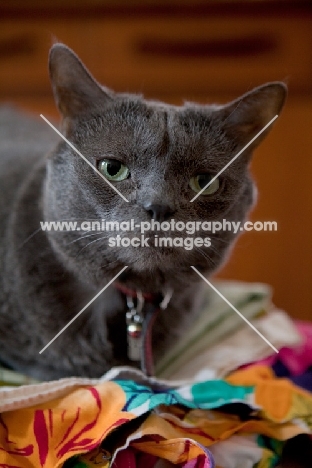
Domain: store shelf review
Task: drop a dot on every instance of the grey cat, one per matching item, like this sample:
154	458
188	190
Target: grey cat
158	156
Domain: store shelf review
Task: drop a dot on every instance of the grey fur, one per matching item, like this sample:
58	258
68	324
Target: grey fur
46	278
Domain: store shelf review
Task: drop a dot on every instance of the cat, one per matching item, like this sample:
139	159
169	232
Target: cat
162	155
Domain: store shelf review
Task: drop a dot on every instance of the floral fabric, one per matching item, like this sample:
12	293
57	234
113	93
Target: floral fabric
123	422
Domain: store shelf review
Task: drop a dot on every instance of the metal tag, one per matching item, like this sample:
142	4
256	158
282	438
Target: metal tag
134	320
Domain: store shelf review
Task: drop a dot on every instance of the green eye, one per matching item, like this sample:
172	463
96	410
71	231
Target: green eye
200	181
113	169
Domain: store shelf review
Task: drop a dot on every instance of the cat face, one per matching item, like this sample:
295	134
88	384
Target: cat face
158	156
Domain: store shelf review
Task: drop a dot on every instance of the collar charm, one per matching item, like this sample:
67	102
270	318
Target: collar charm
134	321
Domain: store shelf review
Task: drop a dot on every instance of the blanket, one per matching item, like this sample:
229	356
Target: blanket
238	415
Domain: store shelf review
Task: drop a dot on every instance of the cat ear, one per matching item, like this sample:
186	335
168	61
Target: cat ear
75	91
247	115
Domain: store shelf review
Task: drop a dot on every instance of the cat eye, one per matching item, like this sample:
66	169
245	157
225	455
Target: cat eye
113	169
200	181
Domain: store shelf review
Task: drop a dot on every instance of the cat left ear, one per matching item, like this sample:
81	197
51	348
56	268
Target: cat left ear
247	115
75	90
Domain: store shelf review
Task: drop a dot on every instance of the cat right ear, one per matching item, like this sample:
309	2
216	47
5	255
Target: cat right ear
75	91
245	117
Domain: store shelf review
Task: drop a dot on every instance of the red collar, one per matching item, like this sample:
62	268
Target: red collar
150	297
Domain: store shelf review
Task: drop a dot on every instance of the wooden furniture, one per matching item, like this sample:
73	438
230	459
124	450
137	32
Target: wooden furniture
201	51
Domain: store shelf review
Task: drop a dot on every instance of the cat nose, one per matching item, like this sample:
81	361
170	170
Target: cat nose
159	212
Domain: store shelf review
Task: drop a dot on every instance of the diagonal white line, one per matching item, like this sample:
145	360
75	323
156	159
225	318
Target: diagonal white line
82	156
237	311
233	159
82	310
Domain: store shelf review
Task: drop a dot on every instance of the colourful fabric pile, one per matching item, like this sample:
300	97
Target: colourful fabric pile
241	421
125	419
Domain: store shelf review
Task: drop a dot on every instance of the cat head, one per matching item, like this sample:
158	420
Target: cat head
158	156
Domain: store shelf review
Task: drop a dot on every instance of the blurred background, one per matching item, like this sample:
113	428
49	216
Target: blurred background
205	51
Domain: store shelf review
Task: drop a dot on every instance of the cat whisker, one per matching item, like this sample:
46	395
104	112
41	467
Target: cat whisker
205	255
59	220
75	219
29	237
215	250
84	237
108	264
219	239
92	242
